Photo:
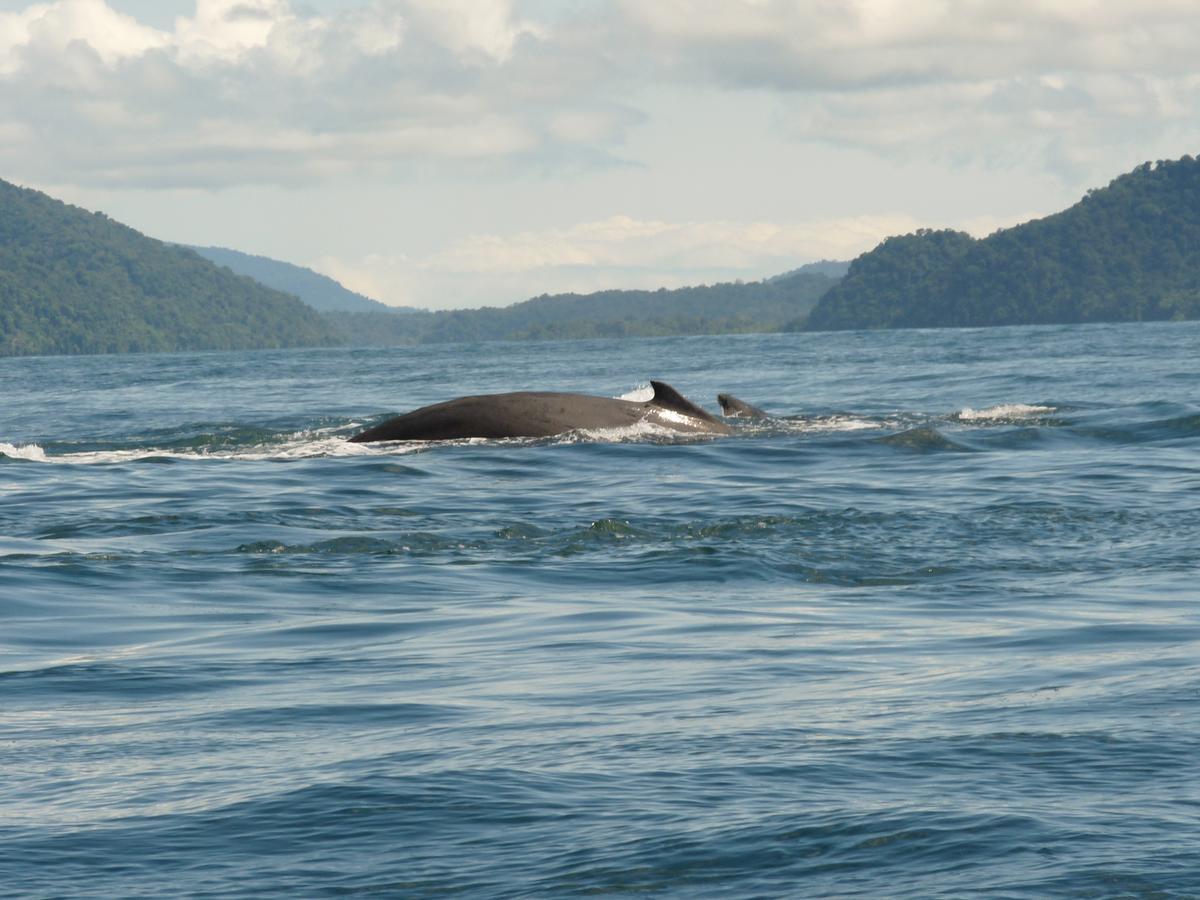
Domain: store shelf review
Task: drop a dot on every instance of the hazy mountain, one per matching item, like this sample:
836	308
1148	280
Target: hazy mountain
318	291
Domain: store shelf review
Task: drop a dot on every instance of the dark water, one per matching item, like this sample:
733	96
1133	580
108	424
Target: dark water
933	632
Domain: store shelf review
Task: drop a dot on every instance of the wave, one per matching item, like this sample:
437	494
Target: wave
925	439
29	452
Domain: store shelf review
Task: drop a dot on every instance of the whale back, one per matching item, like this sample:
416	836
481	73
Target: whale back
519	414
538	414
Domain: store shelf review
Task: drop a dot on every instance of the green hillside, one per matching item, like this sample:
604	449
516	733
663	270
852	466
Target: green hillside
318	291
72	281
760	306
1127	252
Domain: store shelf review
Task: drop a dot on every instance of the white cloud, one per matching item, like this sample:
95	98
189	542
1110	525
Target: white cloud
226	30
1076	124
1073	85
386	85
52	28
474	29
252	91
815	44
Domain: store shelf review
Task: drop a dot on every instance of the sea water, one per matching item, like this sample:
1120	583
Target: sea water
932	630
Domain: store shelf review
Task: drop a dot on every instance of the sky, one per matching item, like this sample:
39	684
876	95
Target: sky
460	153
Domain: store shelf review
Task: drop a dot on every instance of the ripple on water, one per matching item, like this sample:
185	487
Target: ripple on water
929	632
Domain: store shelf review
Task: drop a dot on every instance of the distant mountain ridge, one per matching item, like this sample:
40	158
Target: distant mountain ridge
319	291
1126	252
832	268
73	281
759	306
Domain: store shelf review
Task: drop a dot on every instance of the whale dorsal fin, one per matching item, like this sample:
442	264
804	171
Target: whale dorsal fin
666	397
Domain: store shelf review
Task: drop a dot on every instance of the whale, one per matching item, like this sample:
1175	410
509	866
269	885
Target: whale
534	414
734	408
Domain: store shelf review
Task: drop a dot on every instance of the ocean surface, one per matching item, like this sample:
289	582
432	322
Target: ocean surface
932	630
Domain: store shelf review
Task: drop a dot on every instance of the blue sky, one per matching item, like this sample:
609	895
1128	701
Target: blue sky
465	152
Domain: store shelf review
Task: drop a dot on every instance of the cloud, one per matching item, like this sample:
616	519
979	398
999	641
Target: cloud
48	29
257	91
805	45
483	30
391	88
1002	81
226	30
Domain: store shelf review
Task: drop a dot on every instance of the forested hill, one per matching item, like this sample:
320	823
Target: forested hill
1127	252
710	309
72	281
317	290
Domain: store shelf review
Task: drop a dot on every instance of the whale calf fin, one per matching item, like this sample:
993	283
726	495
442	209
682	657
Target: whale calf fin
666	397
734	408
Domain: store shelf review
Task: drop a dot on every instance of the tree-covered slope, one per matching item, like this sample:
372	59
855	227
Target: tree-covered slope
318	291
1127	252
72	281
710	309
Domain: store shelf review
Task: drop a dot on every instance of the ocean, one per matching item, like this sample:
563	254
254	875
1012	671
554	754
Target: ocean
932	630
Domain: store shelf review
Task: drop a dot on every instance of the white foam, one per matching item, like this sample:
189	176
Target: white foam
676	418
1003	412
658	427
300	445
842	423
810	425
639	394
643	430
24	451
